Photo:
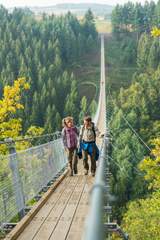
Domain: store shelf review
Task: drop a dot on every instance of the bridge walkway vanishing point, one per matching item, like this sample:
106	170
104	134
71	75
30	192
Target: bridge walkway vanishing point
63	215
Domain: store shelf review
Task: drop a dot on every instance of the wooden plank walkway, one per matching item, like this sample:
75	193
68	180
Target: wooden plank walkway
63	215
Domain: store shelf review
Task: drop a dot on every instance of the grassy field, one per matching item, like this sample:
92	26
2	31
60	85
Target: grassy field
89	90
118	73
87	73
103	26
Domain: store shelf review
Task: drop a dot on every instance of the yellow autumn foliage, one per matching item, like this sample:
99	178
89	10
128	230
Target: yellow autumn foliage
9	104
31	132
141	220
10	126
151	166
155	32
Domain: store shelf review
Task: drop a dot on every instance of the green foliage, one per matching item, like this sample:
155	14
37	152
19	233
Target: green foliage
44	51
148	52
83	109
71	101
121	53
93	107
134	17
137	100
151	166
141	220
139	105
89	25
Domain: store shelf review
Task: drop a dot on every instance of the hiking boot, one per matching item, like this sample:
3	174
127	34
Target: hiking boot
75	171
93	174
86	172
71	173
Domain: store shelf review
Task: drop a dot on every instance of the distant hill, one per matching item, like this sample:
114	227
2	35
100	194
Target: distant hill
84	6
78	9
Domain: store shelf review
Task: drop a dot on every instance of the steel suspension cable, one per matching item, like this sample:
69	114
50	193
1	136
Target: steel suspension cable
130	126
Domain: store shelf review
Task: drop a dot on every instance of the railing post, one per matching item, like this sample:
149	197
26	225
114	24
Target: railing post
16	180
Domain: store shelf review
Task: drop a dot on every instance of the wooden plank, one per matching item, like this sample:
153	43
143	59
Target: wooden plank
67	203
65	221
51	221
38	220
75	236
14	234
77	226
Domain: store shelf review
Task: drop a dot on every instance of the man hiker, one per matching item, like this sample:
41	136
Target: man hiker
88	144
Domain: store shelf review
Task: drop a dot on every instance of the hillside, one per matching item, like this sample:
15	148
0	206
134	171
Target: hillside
50	54
133	70
78	9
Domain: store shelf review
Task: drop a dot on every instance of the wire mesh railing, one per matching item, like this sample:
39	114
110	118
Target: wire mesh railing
98	222
24	174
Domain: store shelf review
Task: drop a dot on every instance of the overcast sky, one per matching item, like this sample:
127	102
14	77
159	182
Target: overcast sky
20	3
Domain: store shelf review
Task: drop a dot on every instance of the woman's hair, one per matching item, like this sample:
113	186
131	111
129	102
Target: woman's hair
67	120
88	119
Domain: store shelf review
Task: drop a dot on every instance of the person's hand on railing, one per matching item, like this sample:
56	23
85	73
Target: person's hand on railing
102	135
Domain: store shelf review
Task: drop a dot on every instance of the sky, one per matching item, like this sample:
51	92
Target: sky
25	3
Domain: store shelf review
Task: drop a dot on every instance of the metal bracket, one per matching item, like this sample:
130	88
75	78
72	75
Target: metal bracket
114	227
108	209
110	227
44	189
27	209
107	188
8	226
37	197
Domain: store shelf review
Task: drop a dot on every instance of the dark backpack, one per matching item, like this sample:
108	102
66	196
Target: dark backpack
93	129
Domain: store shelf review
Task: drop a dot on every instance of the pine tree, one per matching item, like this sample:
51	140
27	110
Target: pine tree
89	25
58	121
35	114
71	101
48	120
143	51
24	40
154	54
83	108
93	107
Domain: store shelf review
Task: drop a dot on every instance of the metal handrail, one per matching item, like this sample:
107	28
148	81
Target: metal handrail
94	227
26	174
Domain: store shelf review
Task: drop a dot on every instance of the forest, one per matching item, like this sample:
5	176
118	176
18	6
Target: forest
133	68
38	87
44	52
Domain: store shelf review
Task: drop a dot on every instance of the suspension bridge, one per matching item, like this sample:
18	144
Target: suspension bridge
66	210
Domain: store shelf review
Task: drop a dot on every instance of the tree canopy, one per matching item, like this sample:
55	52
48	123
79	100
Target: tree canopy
44	51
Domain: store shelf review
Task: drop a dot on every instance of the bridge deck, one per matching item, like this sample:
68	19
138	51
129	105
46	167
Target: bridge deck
63	215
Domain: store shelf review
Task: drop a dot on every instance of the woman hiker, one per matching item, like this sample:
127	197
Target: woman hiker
70	140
